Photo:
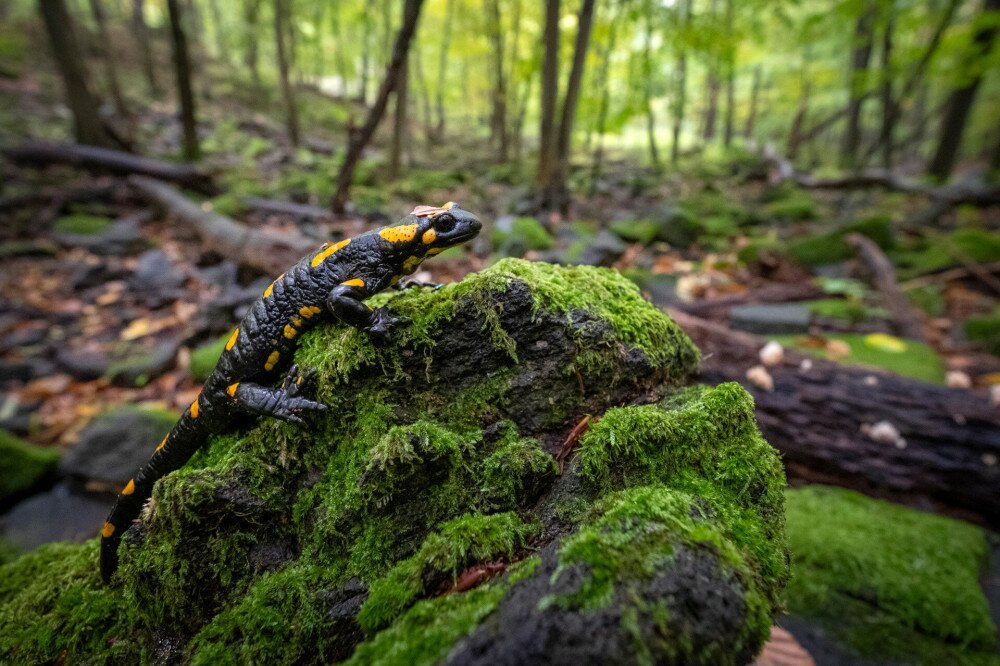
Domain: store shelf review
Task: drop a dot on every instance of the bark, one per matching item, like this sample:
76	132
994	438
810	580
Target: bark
281	21
559	195
602	111
142	38
360	139
251	16
815	418
222	51
549	96
109	161
289	209
70	61
498	121
754	96
730	120
399	122
182	72
888	102
712	86
907	322
427	118
795	138
264	250
680	95
442	71
960	101
857	82
647	63
97	9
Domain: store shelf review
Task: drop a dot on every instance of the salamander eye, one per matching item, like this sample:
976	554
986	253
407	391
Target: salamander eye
444	222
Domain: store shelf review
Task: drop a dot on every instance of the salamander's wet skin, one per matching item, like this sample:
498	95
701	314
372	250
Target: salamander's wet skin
326	285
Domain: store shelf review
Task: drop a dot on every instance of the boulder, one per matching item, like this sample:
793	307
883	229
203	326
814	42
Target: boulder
24	466
428	517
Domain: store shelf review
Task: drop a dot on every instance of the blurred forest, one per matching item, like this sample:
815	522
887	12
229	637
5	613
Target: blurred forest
811	188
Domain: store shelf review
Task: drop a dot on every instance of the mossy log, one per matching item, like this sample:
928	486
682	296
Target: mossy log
423	518
945	461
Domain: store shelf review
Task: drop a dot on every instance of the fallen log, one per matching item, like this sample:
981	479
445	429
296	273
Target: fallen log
289	208
905	318
261	249
946	456
775	293
112	161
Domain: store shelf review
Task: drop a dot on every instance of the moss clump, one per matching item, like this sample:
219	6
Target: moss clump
847	310
642	231
82	224
526	233
24	465
891	582
794	205
832	247
908	358
204	357
941	251
984	330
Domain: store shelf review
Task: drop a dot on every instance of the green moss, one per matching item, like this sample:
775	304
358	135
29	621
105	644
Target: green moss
229	204
892	582
984	330
457	544
24	465
848	310
525	232
831	247
941	251
517	468
53	608
795	205
908	358
642	231
82	224
205	356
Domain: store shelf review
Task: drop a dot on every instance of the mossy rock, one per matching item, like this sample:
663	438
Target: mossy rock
525	233
82	224
205	356
984	330
938	253
832	247
433	471
894	584
24	465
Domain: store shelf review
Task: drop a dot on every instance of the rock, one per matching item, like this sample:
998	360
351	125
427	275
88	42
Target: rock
772	354
888	584
116	444
61	514
83	365
661	539
25	466
600	250
771	318
25	369
155	278
139	366
122	237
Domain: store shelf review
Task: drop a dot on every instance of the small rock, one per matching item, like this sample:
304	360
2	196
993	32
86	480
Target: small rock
760	377
137	369
995	395
871	380
958	379
603	250
83	365
884	432
837	349
116	444
989	459
772	354
806	365
60	514
156	278
771	319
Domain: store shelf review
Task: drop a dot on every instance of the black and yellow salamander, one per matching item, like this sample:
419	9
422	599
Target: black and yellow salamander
329	284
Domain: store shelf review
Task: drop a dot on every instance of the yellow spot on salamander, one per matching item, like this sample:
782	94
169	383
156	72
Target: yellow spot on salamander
435	250
296	321
290	331
322	255
272	361
270	287
401	234
309	310
395	280
232	339
107	530
129	487
194	409
449	205
231	390
411	264
429	236
162	444
354	282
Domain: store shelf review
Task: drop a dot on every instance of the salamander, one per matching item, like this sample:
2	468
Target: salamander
327	285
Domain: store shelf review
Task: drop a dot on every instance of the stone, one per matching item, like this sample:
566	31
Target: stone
60	514
770	318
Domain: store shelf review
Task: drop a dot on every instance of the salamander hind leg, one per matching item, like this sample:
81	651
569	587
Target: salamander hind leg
285	402
345	302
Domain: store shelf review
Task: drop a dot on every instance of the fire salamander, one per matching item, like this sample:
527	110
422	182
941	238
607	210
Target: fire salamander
331	283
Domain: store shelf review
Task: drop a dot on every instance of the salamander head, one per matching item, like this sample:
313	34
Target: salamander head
444	227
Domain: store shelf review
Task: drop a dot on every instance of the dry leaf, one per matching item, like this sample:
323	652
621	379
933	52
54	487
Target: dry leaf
781	649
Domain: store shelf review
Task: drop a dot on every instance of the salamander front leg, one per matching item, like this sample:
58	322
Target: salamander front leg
285	403
345	303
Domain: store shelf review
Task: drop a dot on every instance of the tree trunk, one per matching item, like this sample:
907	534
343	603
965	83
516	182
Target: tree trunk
754	96
399	121
366	61
498	119
558	194
422	89
795	133
251	16
281	22
857	82
358	141
550	94
217	32
647	78
888	112
602	111
182	70
107	44
680	95
960	102
730	121
442	70
141	33
713	85
72	67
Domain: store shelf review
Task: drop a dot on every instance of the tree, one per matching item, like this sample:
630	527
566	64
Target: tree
498	121
861	52
647	78
142	39
961	99
358	141
251	18
680	94
281	23
730	119
444	43
399	120
70	60
604	77
97	10
754	95
713	85
182	72
549	95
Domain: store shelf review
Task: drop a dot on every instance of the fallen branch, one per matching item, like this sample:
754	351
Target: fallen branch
261	249
113	161
947	275
947	458
906	320
289	208
775	293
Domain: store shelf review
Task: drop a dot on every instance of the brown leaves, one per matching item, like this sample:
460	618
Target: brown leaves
782	649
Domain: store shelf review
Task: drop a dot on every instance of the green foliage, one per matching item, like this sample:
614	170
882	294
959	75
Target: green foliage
794	204
831	247
908	358
82	224
847	310
894	583
941	251
526	233
23	464
205	356
642	231
984	330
